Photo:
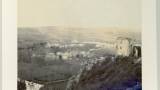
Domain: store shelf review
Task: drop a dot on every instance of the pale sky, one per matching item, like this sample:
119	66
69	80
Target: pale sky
80	13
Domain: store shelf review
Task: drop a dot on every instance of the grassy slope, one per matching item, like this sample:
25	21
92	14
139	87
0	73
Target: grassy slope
107	74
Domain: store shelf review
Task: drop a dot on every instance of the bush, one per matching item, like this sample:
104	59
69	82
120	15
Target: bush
21	85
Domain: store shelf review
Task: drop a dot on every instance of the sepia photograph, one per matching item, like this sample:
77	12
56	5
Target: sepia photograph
79	45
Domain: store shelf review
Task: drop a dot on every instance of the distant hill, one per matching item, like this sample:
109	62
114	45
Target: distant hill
54	34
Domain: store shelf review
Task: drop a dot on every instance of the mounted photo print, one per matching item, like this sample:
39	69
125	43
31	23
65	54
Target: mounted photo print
79	45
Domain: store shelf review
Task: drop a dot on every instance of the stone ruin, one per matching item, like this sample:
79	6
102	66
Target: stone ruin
128	47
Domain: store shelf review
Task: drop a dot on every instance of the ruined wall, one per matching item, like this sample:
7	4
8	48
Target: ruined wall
127	47
123	47
136	51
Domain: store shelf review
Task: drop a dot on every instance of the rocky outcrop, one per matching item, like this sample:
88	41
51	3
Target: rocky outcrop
28	85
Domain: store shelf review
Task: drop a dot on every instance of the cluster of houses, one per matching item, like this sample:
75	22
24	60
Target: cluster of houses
67	55
49	45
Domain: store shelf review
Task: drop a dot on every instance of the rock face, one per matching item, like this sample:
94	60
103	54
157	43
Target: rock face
120	74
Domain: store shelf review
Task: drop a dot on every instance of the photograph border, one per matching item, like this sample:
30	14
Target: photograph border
9	45
149	45
158	40
1	45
